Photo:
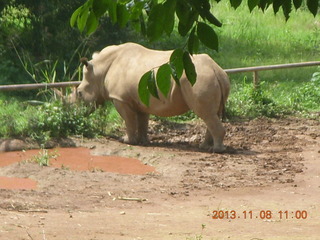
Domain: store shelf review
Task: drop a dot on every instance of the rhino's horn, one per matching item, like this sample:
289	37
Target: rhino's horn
84	61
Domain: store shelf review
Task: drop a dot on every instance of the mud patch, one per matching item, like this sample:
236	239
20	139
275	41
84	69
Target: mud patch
79	159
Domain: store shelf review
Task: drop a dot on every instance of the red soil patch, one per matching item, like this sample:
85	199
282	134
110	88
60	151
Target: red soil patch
78	159
17	183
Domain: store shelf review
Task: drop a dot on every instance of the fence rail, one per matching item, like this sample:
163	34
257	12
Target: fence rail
38	86
255	71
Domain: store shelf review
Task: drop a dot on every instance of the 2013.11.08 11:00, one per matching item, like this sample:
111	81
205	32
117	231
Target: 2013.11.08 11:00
262	214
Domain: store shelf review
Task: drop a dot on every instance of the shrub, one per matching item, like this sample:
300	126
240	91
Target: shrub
55	120
307	94
248	101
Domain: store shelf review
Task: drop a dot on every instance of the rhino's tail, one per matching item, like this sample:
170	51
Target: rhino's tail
224	84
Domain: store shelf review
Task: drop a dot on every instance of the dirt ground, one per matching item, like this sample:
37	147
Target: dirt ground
267	186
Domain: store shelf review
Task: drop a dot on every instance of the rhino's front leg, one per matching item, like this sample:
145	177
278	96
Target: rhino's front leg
130	118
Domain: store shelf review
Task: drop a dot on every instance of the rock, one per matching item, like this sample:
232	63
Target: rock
9	145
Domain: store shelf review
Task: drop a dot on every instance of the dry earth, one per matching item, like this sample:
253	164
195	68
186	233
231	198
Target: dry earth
270	166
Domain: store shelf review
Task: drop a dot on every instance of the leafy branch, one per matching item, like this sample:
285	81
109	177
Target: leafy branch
154	18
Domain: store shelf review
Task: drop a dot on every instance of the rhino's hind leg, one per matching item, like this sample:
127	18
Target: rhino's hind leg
217	131
143	120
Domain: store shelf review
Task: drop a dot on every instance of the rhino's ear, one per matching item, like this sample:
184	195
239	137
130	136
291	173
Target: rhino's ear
84	61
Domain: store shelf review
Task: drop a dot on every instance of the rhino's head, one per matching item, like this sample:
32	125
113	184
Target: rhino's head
91	86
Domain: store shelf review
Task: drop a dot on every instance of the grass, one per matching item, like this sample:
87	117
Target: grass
253	39
249	39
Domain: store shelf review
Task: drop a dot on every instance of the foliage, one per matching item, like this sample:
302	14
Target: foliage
251	102
43	157
35	39
307	96
155	18
12	122
254	102
55	120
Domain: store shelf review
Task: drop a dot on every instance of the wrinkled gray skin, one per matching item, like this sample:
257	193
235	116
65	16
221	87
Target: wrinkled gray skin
114	74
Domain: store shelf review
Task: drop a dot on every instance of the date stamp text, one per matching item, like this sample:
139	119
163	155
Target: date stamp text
262	214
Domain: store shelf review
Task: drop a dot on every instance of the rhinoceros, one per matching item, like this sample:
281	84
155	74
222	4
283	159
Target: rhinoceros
114	74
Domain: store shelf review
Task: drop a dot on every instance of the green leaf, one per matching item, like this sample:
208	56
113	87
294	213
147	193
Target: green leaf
176	64
99	7
276	5
313	6
183	29
169	18
183	11
187	17
235	3
264	4
297	3
143	91
136	10
207	36
75	16
287	7
112	10
92	23
156	22
212	19
143	25
164	79
252	4
189	68
203	7
122	15
83	17
152	86
193	42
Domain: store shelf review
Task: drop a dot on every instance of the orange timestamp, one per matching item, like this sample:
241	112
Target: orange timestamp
262	214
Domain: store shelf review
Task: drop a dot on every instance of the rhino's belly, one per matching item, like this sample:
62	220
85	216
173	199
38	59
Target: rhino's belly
167	109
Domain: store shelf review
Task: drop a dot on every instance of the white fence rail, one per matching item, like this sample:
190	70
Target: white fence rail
255	71
38	86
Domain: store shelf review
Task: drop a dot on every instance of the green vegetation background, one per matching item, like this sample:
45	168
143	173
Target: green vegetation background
38	45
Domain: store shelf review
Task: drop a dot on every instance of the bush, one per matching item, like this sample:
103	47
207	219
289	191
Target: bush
307	95
55	120
12	119
248	101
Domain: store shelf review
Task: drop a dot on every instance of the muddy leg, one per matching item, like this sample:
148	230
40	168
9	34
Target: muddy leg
208	141
217	131
143	120
131	120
